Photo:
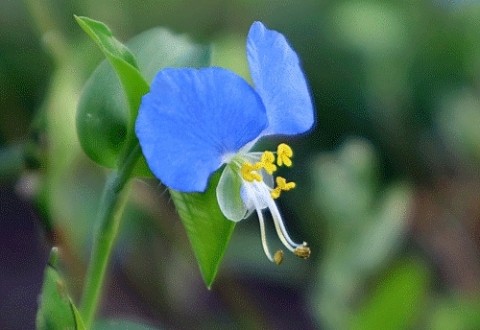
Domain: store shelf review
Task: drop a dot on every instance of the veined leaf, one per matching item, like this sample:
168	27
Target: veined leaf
207	228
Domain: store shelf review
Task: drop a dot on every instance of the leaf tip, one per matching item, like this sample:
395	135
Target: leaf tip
53	257
209	281
79	19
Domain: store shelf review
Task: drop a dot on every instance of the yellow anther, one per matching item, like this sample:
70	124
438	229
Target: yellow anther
284	155
249	172
275	193
266	162
283	184
268	157
278	257
302	251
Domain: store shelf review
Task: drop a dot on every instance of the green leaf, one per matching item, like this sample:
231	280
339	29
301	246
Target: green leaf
455	312
207	228
56	308
397	300
103	113
122	60
78	318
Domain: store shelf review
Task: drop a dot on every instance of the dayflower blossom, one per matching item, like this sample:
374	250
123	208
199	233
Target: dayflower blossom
194	121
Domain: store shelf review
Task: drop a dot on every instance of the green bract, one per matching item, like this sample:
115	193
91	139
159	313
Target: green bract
103	115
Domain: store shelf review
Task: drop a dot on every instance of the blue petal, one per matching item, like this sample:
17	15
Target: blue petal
279	80
191	119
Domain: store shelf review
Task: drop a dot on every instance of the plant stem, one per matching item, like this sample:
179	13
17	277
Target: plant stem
109	216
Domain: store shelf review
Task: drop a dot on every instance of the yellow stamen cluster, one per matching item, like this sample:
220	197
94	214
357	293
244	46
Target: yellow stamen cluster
250	172
256	194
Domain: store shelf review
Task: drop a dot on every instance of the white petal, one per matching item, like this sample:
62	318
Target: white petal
228	195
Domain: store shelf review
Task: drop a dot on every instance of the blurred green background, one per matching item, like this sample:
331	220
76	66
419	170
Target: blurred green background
387	183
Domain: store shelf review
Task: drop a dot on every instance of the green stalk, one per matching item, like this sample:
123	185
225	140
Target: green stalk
109	216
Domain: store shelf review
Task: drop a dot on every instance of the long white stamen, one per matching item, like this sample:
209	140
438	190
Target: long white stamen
280	227
262	226
263	234
264	191
300	250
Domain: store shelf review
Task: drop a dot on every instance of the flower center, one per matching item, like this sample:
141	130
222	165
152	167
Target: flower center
254	169
251	172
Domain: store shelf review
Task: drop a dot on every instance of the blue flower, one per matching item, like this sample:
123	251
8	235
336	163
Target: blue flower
193	121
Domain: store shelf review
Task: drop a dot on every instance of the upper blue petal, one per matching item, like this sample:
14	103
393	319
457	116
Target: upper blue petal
191	119
279	80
